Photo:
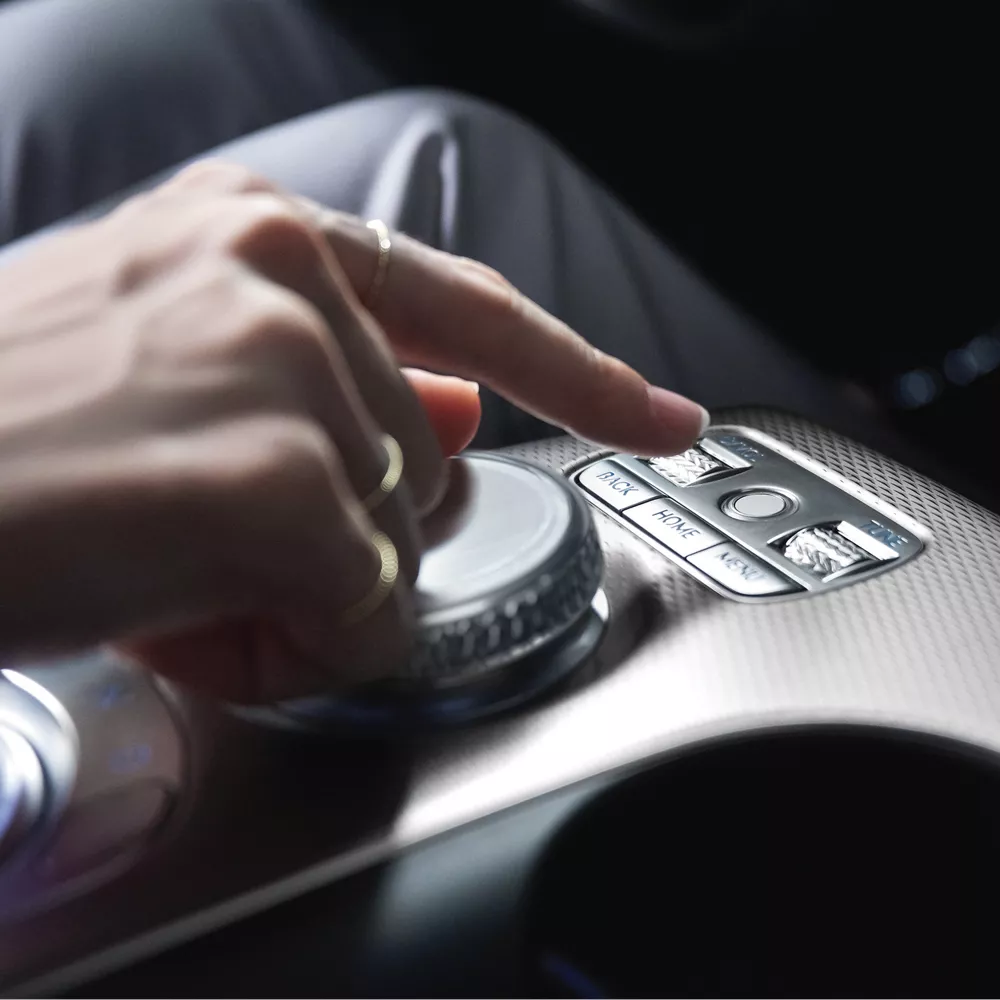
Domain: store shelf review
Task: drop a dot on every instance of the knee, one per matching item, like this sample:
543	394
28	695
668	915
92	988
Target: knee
96	94
60	58
468	142
464	115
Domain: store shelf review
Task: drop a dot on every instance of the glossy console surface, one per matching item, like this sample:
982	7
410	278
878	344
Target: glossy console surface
269	814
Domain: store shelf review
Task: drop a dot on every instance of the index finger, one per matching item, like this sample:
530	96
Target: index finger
453	314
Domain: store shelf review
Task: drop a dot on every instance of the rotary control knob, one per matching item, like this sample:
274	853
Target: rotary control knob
508	599
22	790
512	561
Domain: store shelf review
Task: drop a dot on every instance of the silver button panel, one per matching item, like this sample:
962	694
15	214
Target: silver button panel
753	518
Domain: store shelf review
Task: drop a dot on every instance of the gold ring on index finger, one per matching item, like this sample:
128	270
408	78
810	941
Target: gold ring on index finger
393	474
387	574
382	264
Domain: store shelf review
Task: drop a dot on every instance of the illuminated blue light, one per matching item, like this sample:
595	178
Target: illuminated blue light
113	693
570	976
916	388
130	758
985	349
960	366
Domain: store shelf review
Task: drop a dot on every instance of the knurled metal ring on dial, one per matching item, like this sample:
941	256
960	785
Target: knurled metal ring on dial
523	565
466	646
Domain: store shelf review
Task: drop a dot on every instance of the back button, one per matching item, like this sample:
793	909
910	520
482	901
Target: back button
614	485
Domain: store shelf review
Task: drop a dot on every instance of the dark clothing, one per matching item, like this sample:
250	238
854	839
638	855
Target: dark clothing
98	96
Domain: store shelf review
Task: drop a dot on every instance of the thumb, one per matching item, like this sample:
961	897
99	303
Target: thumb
452	406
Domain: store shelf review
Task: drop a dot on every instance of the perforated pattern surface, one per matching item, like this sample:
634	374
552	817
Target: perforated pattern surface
917	646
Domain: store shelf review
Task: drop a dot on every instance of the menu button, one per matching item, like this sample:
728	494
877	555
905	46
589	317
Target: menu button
737	570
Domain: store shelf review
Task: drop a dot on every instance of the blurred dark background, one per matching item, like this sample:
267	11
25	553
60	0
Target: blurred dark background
830	166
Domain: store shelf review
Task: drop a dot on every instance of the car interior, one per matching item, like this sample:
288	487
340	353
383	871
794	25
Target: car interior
717	724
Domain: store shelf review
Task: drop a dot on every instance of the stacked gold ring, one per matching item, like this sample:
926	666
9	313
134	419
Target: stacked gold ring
388	571
393	474
382	264
388	557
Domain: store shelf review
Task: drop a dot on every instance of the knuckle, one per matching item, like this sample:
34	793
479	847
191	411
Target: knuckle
496	295
611	377
477	267
502	301
259	492
604	384
606	369
126	273
500	308
287	466
604	395
270	225
286	328
134	205
221	176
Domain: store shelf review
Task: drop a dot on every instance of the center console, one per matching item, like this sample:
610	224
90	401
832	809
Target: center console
685	633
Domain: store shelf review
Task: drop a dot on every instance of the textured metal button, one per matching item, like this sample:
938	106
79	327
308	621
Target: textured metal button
674	526
690	467
615	486
740	572
824	552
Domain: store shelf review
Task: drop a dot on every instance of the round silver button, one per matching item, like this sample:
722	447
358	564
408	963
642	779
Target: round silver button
757	505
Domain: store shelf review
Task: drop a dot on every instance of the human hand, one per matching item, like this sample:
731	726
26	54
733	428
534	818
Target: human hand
191	403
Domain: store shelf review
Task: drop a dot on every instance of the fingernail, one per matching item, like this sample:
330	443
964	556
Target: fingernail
682	420
706	420
468	382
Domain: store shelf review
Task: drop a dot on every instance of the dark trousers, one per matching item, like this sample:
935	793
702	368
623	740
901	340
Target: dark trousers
98	97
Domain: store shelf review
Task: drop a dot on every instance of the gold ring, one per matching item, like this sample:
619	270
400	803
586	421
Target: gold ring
388	571
392	476
382	264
